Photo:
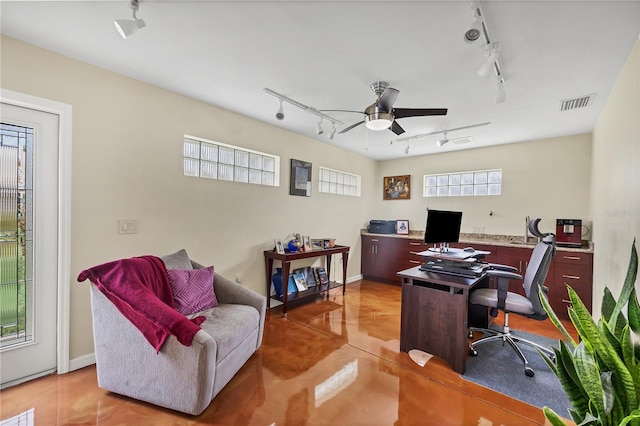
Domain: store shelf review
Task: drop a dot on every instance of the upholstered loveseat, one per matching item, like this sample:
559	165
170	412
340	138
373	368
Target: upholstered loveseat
177	376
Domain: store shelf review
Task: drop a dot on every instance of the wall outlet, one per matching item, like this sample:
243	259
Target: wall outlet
127	226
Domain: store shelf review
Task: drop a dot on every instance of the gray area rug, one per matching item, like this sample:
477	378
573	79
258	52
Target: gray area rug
499	368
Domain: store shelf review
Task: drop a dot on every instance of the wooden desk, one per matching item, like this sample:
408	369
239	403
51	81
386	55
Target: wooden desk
435	314
287	258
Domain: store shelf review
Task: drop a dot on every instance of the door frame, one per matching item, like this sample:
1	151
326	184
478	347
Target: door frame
64	112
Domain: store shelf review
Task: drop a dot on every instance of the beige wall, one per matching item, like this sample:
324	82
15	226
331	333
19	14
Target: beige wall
545	178
615	180
127	163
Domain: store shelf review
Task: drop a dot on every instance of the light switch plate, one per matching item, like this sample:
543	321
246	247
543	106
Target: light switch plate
127	226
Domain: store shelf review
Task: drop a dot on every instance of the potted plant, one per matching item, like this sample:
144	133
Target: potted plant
601	373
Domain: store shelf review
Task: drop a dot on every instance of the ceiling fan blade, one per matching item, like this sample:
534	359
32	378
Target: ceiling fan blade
418	112
351	127
387	99
396	128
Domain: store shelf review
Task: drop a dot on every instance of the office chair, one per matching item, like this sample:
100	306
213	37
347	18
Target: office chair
508	302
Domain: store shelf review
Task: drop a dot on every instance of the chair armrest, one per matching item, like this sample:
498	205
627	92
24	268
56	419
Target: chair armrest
499	267
504	274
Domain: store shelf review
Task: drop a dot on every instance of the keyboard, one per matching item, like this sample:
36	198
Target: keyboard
470	271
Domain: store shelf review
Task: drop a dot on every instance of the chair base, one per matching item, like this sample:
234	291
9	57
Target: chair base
506	336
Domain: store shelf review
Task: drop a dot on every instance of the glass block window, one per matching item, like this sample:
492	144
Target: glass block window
463	184
339	183
214	160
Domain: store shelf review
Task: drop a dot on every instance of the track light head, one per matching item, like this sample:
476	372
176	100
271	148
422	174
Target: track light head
443	141
472	35
319	129
492	52
128	27
280	113
333	132
500	95
406	150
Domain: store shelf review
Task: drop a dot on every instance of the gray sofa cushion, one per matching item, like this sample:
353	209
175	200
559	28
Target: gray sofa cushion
229	325
177	260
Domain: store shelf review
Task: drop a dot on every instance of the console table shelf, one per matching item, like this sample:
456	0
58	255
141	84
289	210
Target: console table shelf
287	258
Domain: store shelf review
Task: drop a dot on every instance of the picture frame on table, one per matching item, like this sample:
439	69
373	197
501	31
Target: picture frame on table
396	187
279	246
317	244
306	242
402	227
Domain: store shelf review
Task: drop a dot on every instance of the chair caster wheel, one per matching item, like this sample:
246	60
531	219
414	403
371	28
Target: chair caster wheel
470	336
473	352
529	371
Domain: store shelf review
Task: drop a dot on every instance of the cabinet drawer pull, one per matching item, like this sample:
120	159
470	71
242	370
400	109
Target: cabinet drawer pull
566	301
415	261
374	240
414	252
571	257
572	277
416	244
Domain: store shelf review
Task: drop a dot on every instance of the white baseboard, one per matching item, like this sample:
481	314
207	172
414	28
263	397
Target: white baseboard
355	278
82	361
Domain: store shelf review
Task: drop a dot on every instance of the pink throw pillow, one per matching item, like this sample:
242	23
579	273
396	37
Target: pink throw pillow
192	289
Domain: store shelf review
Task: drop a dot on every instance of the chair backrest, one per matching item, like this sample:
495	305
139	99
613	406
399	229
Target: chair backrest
536	273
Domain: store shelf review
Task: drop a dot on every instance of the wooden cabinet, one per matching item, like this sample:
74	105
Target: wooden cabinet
576	270
383	256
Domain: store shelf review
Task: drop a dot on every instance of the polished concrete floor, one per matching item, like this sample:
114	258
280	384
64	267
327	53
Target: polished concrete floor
329	362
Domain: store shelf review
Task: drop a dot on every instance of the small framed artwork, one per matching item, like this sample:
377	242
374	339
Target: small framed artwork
317	244
402	226
279	247
396	187
300	178
306	242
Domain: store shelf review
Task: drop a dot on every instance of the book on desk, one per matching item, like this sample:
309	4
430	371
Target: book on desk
453	261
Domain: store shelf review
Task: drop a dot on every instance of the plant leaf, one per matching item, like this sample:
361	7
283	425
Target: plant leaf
590	378
608	304
553	417
602	350
553	317
634	415
627	287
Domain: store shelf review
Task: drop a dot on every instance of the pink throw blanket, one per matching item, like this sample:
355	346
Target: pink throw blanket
139	288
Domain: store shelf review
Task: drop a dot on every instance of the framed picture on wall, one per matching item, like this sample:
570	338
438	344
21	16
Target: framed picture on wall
402	226
300	183
396	187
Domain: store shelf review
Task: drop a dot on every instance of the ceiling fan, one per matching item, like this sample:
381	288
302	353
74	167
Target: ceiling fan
382	115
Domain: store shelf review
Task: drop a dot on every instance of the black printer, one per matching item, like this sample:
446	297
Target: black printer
382	226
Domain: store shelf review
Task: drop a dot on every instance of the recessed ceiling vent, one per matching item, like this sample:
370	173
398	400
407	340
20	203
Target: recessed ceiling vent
575	103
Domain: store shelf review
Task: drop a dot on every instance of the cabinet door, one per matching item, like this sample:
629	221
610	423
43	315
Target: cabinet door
368	259
391	258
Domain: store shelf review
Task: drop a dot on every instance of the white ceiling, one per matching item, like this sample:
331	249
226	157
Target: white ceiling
325	54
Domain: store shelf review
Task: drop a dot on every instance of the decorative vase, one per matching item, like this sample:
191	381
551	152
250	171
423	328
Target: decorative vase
277	282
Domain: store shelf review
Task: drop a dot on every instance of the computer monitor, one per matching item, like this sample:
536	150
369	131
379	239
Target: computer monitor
442	227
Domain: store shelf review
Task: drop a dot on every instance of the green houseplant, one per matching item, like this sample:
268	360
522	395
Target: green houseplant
601	373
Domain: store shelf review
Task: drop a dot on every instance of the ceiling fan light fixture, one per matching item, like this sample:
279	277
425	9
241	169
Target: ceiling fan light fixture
378	120
127	27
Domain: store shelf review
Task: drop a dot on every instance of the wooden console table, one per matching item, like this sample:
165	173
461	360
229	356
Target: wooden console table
287	258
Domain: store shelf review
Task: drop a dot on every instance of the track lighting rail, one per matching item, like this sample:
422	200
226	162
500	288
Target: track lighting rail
310	110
